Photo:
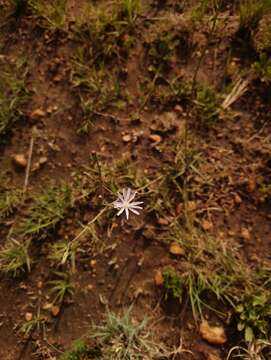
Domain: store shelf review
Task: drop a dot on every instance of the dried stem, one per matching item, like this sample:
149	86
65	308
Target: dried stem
28	167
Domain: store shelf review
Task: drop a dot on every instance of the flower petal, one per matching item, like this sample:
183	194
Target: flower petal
134	211
117	204
123	195
135	207
128	193
127	213
132	196
136	203
120	212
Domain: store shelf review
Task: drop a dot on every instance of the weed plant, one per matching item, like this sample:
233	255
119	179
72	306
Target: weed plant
121	337
61	287
12	95
46	211
52	13
14	257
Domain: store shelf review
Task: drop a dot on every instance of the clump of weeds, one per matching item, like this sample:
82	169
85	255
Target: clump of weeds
12	94
14	257
52	13
172	284
47	209
122	337
99	66
78	351
9	200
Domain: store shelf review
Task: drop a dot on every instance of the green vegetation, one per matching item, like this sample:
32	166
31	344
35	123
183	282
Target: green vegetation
52	13
97	75
206	107
172	284
14	257
36	324
262	68
251	12
64	252
121	337
77	352
149	77
254	311
12	94
46	211
9	200
131	10
61	287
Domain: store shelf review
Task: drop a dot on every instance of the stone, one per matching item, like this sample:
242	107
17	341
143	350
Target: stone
158	278
155	138
28	316
127	138
176	249
38	113
19	160
55	310
213	334
245	234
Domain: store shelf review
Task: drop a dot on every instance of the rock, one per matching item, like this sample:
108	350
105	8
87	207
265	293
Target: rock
93	263
43	160
158	278
206	225
155	138
213	334
127	138
40	284
28	316
162	221
19	160
176	249
38	113
245	234
237	199
55	310
191	205
47	306
179	208
178	109
251	185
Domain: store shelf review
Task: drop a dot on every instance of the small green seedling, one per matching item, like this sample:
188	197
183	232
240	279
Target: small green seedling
9	200
47	210
251	12
121	337
172	284
36	323
253	313
61	287
78	350
206	105
131	9
12	95
63	252
262	68
14	257
51	12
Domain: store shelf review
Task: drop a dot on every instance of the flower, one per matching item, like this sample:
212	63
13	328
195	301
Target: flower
125	203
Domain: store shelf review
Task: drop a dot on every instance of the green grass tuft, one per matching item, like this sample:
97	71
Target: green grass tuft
46	211
12	95
121	337
14	257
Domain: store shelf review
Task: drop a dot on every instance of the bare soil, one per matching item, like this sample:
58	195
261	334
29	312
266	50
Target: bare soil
236	150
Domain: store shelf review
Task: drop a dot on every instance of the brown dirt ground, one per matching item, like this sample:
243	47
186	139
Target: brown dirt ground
237	150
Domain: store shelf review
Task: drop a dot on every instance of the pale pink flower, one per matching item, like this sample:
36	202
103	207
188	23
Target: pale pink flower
125	203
